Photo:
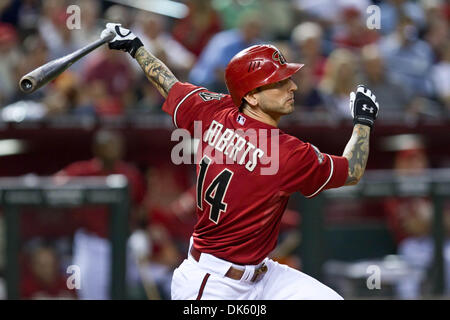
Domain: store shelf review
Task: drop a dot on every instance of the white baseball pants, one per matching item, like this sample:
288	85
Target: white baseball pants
206	280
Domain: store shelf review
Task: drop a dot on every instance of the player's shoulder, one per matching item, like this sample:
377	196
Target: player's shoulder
290	142
186	89
197	97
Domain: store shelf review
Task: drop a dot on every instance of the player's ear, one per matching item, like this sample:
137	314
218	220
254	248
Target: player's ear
251	98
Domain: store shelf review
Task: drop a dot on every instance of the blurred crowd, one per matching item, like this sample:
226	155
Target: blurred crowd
405	61
400	49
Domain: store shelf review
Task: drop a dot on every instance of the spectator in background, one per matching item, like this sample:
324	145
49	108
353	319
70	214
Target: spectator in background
43	277
435	10
91	248
392	12
90	17
307	40
410	220
210	67
390	95
201	23
308	98
230	11
282	19
66	95
440	76
53	29
170	221
9	58
151	28
57	99
34	54
278	27
339	79
109	79
437	34
352	32
408	58
326	12
120	14
9	11
23	14
149	100
28	17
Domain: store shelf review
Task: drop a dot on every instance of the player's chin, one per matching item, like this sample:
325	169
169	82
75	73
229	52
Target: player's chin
289	107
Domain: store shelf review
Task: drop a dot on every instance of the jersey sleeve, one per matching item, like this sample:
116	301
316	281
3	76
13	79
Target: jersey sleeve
187	103
309	171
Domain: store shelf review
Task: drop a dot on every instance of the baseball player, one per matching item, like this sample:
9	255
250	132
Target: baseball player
240	197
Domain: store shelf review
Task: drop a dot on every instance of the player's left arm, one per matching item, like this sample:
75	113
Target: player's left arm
364	109
357	153
155	70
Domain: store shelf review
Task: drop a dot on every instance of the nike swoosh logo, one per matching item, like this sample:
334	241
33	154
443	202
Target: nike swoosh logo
122	35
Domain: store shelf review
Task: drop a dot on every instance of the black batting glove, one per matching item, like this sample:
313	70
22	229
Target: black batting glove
124	40
363	106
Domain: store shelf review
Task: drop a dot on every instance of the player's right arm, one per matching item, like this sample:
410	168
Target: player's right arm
155	70
186	103
364	109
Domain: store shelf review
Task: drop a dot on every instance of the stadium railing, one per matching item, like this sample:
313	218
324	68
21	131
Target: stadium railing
17	192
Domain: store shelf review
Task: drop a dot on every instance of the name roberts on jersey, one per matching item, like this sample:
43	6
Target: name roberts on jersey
237	149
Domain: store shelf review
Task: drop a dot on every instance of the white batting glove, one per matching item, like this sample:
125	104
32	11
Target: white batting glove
363	106
124	40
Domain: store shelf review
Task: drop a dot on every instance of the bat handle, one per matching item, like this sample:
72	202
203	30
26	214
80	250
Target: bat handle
109	37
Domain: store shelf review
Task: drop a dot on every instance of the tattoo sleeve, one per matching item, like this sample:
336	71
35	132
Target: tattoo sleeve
357	152
156	71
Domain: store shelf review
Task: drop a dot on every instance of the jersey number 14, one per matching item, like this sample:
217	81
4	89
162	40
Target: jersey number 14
215	192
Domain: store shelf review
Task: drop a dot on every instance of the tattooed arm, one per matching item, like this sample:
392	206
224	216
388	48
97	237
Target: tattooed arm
156	71
357	152
364	109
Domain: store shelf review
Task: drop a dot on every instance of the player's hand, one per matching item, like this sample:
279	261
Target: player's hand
363	106
124	40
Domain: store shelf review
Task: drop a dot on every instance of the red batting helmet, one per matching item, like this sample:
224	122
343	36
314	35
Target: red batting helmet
254	67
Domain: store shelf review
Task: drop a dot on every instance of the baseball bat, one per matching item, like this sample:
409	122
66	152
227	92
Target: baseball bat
49	71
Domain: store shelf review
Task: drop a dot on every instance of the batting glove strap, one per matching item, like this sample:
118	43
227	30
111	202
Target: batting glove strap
363	106
130	46
124	40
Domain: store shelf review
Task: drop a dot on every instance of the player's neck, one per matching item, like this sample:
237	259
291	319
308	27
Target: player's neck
261	116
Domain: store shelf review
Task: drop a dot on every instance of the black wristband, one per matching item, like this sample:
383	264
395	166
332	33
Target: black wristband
135	45
364	121
130	46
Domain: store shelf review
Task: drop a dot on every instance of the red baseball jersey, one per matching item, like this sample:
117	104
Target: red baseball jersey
246	171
